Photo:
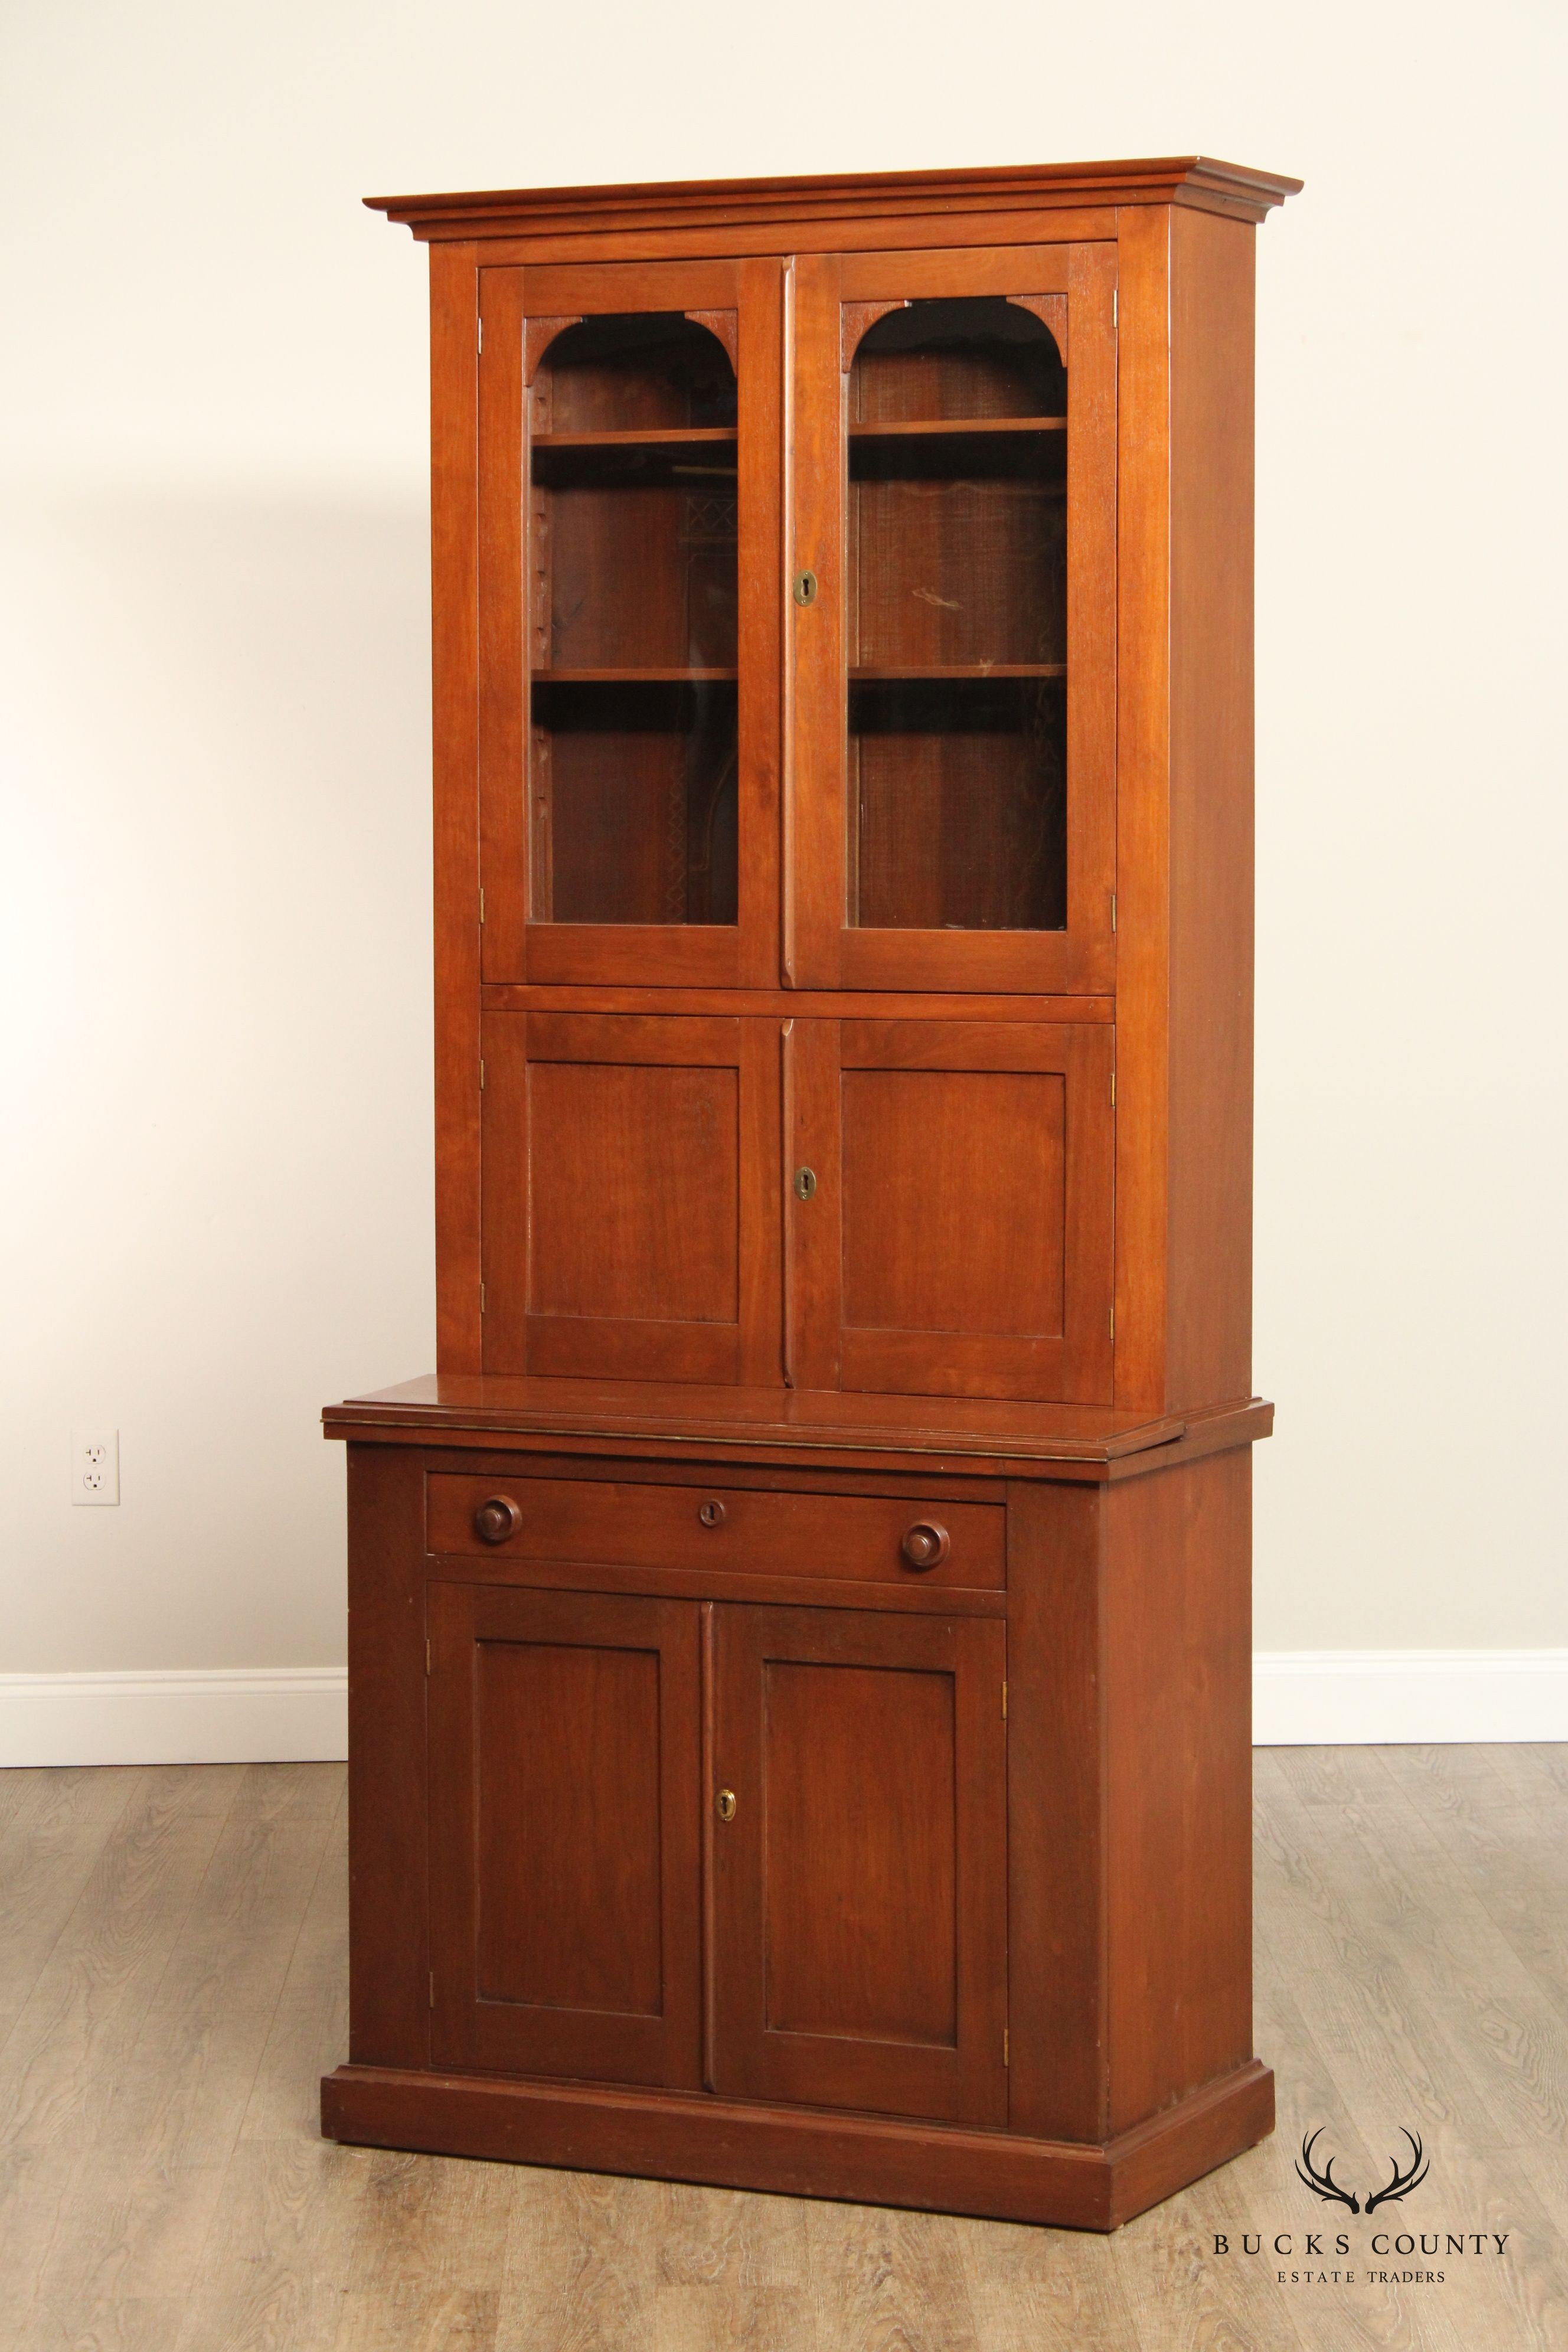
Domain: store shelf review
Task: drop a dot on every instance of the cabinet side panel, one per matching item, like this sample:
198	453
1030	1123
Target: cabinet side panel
454	457
1178	1704
388	1942
1056	1807
1142	798
1210	1206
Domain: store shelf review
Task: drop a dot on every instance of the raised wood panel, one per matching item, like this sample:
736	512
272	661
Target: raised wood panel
630	1196
990	1137
859	1866
563	1834
567	1846
958	1241
657	1151
859	1903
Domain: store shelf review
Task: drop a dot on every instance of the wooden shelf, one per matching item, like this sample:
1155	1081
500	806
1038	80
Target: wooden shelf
869	673
632	676
652	436
940	428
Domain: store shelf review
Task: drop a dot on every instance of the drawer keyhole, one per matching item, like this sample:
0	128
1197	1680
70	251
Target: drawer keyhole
711	1514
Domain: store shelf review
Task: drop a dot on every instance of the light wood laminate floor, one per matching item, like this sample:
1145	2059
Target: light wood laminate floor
173	1984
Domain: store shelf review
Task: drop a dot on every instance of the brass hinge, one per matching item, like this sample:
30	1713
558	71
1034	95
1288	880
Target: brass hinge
1004	1702
481	344
482	1079
1005	2060
1115	292
1113	1322
481	1298
482	911
1112	1084
432	1987
427	1653
1113	909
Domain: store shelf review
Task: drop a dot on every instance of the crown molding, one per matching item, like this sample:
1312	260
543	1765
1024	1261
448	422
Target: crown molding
1232	189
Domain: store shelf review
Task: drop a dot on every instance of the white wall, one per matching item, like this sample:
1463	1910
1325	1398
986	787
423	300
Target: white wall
214	741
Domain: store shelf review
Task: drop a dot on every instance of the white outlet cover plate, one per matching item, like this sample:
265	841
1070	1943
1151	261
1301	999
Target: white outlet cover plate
95	1467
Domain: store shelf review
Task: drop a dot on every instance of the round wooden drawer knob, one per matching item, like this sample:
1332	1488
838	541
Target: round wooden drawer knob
926	1545
497	1518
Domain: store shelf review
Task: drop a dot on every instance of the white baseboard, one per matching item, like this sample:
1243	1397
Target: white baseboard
1301	1698
1390	1699
227	1715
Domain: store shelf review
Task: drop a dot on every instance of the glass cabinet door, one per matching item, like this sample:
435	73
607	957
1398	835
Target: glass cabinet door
628	544
951	819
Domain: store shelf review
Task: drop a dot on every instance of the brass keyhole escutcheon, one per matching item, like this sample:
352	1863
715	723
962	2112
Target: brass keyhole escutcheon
725	1804
711	1514
806	587
805	1183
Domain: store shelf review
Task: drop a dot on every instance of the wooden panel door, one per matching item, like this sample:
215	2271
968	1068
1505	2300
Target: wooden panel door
956	1236
859	1937
950	805
631	1197
629	622
564	1891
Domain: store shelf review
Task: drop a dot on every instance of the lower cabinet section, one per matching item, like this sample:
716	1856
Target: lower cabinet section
844	1812
697	1828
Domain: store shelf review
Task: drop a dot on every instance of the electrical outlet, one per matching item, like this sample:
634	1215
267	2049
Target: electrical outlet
95	1465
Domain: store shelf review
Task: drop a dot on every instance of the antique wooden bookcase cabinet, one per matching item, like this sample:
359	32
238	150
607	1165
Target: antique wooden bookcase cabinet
800	1641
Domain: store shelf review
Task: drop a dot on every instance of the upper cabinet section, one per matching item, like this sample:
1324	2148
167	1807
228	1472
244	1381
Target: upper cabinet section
951	800
800	670
628	551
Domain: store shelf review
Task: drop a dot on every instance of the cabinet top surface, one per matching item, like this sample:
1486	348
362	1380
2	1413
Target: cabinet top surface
1231	188
682	1415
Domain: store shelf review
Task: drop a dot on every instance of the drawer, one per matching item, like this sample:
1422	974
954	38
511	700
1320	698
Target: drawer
861	1537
